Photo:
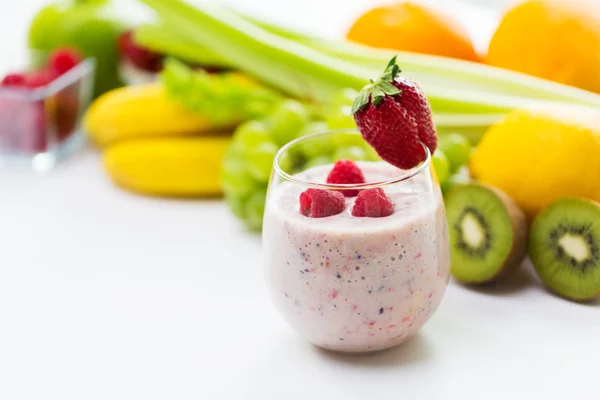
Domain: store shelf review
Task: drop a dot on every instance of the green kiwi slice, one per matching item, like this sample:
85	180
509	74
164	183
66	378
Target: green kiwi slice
565	248
488	233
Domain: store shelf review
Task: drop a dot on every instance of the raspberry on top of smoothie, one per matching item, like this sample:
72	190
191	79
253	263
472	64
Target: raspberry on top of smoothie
346	172
373	203
320	203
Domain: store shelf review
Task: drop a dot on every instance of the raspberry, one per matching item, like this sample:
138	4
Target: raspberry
40	78
372	203
63	60
15	80
346	172
319	203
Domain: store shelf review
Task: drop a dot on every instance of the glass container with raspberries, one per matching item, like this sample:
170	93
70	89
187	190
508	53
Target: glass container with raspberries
40	110
357	252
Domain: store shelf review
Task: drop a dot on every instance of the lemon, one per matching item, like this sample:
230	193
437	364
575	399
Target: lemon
538	156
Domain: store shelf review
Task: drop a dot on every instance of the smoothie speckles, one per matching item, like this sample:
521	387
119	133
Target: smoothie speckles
373	282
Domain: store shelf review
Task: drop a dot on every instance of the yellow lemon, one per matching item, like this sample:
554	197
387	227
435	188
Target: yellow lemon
538	156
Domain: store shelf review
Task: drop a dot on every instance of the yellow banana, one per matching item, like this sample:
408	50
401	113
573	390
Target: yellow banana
141	111
177	167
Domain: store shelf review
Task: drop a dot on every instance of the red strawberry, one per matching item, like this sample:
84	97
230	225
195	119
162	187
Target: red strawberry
63	60
319	203
372	203
394	117
346	172
14	80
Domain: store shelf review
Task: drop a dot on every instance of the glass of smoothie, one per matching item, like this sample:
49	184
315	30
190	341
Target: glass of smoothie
354	283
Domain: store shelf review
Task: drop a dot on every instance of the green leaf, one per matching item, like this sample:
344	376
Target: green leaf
388	88
391	64
361	100
377	96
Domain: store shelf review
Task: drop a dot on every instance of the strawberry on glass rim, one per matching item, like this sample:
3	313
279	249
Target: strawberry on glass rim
394	117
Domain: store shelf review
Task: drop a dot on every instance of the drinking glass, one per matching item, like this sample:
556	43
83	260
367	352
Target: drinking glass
41	126
346	283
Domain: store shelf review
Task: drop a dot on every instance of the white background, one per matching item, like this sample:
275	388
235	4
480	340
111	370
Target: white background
106	295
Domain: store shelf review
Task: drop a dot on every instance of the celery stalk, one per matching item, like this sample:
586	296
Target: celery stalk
290	66
434	70
441	77
164	40
431	70
312	69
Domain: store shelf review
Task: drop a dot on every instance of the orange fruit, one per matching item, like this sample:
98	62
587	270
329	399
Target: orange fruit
557	40
414	27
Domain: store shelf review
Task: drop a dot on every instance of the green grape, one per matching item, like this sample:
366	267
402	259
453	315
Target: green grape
457	148
352	153
255	210
235	180
460	178
286	161
318	145
315	127
233	151
321	160
344	97
259	161
237	205
441	165
250	134
339	114
346	139
340	118
288	121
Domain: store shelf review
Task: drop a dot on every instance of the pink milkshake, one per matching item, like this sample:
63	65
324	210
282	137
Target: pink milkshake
357	284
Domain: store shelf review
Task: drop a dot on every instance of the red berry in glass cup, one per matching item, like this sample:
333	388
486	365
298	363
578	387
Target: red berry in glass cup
14	80
63	60
40	78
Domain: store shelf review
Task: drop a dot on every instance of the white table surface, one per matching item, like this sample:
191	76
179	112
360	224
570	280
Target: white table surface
107	295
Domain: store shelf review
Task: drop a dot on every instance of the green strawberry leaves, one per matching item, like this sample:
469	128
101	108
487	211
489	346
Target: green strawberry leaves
376	91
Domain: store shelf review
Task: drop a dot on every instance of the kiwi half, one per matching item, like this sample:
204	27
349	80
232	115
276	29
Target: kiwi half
565	248
488	233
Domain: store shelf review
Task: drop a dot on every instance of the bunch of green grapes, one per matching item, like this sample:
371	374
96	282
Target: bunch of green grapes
248	162
339	111
450	160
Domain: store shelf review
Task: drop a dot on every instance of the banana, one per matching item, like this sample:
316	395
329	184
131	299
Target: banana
142	111
174	167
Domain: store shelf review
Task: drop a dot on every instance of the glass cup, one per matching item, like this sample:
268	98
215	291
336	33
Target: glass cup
41	126
354	284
